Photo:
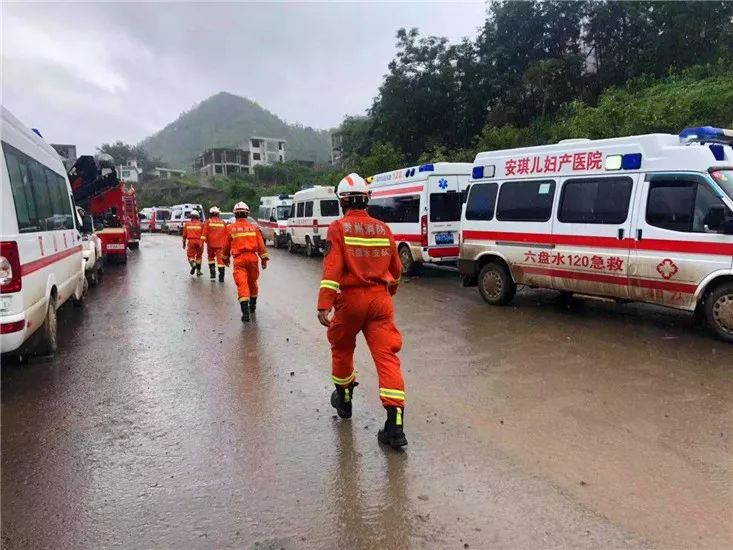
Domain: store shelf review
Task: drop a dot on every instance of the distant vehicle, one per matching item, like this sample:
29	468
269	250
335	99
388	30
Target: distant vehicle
422	207
272	217
228	217
159	221
312	212
41	260
642	218
145	216
180	214
91	248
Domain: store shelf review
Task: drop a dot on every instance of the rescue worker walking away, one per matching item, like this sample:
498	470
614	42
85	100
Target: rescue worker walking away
245	244
361	271
214	234
195	249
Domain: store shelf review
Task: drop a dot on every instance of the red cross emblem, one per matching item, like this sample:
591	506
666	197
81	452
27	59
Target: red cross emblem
667	268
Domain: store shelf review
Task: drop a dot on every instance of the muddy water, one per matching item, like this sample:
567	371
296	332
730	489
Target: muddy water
164	422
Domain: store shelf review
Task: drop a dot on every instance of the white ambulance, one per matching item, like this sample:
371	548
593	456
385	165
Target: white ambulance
312	212
643	218
41	262
272	218
422	207
181	214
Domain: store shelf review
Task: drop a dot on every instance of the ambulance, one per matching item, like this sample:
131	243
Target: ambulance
312	212
41	259
422	207
642	218
180	215
272	218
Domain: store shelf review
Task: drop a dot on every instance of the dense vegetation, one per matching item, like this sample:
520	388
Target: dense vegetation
226	120
540	71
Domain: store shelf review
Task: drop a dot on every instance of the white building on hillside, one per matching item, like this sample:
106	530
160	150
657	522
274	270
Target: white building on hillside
129	172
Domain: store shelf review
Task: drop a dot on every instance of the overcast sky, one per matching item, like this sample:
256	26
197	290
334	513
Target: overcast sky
94	73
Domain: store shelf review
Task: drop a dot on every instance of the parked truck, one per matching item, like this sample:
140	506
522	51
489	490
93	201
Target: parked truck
112	205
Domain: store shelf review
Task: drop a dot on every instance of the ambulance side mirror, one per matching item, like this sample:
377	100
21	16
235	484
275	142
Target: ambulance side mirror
715	218
87	224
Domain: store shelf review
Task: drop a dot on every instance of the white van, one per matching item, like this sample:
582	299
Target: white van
41	262
643	218
180	214
422	207
159	220
312	212
272	218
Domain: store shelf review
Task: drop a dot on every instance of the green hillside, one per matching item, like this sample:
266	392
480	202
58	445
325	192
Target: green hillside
226	120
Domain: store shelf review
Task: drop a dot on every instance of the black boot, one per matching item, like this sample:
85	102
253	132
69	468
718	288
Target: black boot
244	306
341	399
221	274
252	304
193	267
212	272
392	434
198	270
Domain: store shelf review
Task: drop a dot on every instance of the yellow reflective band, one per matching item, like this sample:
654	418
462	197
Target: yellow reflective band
244	299
347	395
398	421
393	394
265	255
344	381
203	238
247	234
366	241
333	285
216	225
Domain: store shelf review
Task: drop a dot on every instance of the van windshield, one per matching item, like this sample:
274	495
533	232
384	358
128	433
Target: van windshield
724	178
283	212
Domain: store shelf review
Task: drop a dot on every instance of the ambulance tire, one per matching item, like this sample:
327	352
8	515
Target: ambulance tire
496	285
48	333
133	245
719	311
291	245
310	250
409	265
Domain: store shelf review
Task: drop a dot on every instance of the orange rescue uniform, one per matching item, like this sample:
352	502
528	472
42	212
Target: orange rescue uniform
243	241
215	235
361	271
192	234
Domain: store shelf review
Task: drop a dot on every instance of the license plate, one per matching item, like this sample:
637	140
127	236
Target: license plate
444	238
115	247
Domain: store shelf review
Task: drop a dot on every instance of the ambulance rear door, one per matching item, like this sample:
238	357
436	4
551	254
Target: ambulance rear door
444	216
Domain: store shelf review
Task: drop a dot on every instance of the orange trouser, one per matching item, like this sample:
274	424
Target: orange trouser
214	255
195	251
246	272
368	310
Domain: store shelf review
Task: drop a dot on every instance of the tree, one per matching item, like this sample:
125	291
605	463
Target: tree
122	152
381	158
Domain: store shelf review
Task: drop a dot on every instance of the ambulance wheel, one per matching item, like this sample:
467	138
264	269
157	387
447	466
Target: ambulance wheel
48	333
496	285
133	246
719	311
291	246
79	302
409	265
310	250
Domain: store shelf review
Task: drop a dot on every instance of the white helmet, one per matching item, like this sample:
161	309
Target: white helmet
195	214
214	210
241	207
353	184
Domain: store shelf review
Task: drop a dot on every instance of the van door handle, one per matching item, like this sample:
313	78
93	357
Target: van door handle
638	234
620	233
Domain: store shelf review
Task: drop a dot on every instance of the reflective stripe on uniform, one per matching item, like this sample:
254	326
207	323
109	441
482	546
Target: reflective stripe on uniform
246	234
344	381
397	395
244	299
216	225
366	241
398	420
333	285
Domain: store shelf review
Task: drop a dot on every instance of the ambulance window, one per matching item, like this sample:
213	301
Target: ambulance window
481	201
445	207
329	208
670	204
405	209
25	206
525	201
704	200
43	197
595	200
283	212
300	210
309	209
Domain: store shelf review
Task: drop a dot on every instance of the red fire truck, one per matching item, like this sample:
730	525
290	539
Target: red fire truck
109	201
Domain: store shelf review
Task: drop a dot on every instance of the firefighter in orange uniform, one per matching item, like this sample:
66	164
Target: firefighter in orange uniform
245	244
214	234
195	248
361	271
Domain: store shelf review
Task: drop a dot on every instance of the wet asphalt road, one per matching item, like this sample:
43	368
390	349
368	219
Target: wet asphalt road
164	422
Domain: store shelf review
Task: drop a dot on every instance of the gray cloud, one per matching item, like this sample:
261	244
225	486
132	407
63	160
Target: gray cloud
90	73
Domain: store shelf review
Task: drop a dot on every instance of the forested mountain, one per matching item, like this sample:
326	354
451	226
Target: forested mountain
226	120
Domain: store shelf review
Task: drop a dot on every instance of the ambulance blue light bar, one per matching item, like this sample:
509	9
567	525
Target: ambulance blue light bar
631	161
481	172
426	168
707	134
